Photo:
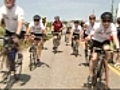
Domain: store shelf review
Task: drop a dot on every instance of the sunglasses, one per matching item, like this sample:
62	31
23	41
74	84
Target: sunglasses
104	21
91	18
36	20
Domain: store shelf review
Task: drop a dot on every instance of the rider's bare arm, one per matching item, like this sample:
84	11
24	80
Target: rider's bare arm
28	31
89	37
71	33
1	16
115	39
20	21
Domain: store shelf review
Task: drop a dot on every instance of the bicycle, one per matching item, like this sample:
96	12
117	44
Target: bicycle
12	57
88	52
67	39
75	45
56	40
99	67
33	54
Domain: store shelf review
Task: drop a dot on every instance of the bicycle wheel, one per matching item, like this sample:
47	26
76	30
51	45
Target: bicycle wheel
18	66
33	59
55	44
6	69
100	69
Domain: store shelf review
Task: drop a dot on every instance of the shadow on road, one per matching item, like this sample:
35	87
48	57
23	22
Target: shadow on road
76	55
45	48
99	86
24	78
84	64
58	51
44	64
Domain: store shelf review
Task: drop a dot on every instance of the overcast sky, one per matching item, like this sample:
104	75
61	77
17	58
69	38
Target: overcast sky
66	9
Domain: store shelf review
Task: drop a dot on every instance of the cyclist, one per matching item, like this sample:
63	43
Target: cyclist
100	38
57	27
37	29
44	21
68	30
44	36
118	34
13	16
76	31
90	25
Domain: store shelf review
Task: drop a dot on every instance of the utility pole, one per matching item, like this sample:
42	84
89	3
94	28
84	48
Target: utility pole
112	7
93	11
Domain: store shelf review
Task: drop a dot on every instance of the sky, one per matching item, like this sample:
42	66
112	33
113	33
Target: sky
66	9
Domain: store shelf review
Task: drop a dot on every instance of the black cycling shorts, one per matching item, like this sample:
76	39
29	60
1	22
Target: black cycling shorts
85	35
77	36
95	43
55	33
21	36
37	36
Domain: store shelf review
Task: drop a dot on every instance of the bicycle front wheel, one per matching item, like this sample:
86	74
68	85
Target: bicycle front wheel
18	67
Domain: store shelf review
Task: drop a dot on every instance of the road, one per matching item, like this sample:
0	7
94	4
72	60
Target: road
59	71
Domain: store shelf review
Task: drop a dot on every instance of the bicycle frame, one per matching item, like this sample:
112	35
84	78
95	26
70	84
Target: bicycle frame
99	66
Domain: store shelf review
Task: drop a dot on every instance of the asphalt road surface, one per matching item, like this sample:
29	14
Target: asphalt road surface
58	71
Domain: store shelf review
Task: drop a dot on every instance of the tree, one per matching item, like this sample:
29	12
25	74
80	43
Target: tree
49	24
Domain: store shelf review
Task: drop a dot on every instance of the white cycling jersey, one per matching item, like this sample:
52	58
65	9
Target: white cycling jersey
76	29
37	29
89	28
11	17
100	35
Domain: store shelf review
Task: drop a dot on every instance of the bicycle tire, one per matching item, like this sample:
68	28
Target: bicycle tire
18	74
7	73
18	67
99	68
32	60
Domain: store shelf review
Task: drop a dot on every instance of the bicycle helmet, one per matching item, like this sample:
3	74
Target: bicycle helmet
107	16
92	16
118	20
44	18
57	17
36	17
76	21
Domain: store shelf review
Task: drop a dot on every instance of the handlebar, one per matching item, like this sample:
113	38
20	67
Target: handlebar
101	49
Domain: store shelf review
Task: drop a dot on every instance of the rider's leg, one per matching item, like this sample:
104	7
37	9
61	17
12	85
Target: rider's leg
86	48
54	41
93	59
39	50
91	67
106	47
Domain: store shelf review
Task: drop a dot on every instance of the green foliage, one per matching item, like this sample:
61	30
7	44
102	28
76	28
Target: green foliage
2	31
49	24
65	22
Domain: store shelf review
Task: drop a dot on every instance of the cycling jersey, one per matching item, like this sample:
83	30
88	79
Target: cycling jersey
57	25
100	35
11	17
76	30
89	28
37	29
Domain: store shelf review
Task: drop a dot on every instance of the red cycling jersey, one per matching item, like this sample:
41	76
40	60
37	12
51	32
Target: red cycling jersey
57	25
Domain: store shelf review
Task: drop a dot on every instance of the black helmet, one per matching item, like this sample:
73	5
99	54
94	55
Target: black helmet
36	17
56	17
76	21
118	20
107	16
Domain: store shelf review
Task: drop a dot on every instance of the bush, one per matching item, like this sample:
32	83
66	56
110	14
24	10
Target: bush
2	31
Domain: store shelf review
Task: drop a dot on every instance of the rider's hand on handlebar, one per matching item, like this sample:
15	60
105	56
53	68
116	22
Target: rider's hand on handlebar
15	38
87	38
118	49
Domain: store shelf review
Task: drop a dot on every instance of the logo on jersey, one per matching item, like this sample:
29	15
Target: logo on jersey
5	16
